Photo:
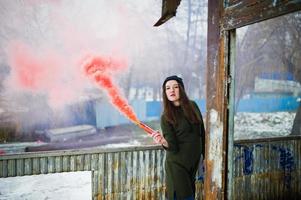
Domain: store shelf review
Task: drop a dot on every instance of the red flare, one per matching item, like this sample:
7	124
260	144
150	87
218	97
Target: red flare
148	129
99	70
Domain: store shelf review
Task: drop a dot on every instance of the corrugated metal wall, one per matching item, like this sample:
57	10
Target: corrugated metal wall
126	173
267	168
263	169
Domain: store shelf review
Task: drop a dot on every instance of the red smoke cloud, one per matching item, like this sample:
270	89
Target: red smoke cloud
100	69
45	73
49	74
30	71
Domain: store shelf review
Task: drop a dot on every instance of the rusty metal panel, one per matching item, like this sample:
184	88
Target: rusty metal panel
79	163
72	164
35	165
3	167
51	166
28	166
11	168
65	163
43	165
245	12
58	164
20	167
130	173
267	169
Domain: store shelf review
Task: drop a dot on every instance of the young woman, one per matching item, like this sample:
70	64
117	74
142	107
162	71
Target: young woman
183	129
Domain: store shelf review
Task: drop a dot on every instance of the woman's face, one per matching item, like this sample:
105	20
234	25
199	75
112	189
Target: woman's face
172	91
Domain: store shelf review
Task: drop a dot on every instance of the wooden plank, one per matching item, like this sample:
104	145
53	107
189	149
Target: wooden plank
20	167
109	177
141	180
4	168
72	163
87	163
28	166
245	12
129	175
58	164
135	175
43	165
51	164
147	175
11	168
101	175
123	172
94	162
35	165
216	124
79	163
66	164
95	184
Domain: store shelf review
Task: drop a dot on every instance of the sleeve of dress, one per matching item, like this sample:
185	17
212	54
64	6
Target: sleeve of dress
169	135
202	128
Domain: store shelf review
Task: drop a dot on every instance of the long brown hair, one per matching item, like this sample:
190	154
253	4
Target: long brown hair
169	111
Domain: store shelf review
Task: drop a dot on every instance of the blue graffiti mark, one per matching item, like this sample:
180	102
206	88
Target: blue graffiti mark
201	175
259	145
247	158
286	162
200	178
248	161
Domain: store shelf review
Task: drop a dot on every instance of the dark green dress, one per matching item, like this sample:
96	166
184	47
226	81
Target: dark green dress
186	144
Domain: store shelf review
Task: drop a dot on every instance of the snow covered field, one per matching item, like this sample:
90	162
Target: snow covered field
71	185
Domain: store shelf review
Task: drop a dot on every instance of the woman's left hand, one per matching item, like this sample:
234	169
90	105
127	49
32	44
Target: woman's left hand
159	139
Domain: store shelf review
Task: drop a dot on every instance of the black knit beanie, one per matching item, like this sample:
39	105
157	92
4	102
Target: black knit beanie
176	78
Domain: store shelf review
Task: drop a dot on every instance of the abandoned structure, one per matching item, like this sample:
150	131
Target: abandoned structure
262	168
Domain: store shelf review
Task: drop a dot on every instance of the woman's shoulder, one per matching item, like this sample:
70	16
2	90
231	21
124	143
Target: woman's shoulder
163	118
193	103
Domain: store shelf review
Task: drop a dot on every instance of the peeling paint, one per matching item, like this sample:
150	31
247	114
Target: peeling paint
267	168
234	5
248	12
215	64
216	147
287	164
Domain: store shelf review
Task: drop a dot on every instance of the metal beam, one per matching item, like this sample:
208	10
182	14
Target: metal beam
216	123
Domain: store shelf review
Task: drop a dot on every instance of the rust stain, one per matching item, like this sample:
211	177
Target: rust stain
99	197
273	176
143	194
210	188
115	165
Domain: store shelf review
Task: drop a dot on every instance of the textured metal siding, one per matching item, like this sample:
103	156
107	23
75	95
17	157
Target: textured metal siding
263	169
126	173
267	169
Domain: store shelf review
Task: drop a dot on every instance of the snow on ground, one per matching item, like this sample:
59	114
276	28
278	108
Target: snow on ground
259	125
71	185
